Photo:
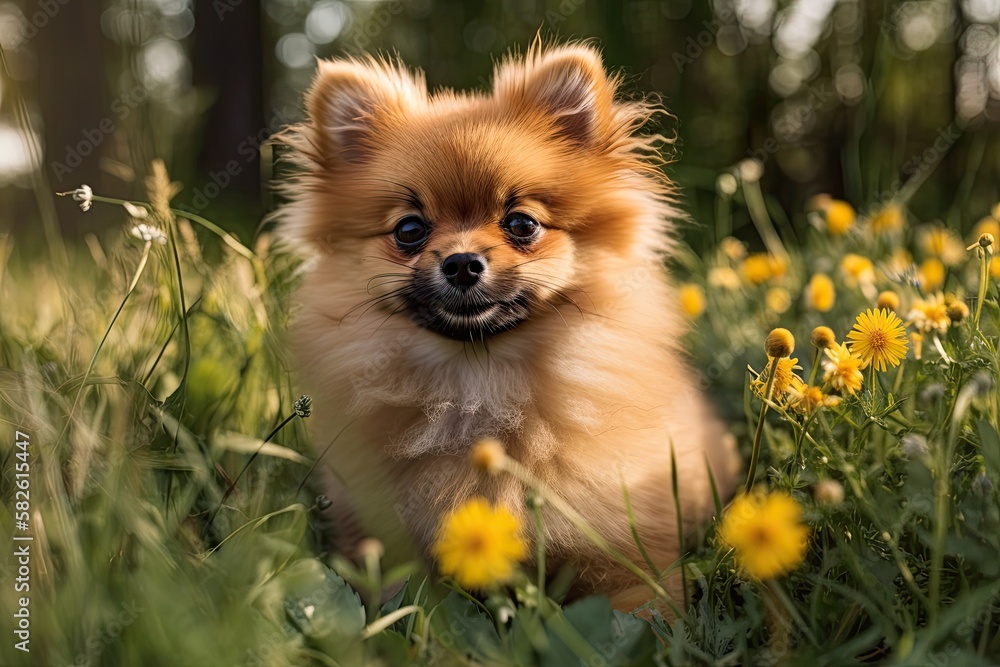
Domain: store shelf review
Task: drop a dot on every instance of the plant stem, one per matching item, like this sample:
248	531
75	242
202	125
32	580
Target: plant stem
755	453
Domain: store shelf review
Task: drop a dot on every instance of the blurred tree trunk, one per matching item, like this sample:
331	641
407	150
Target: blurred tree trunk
228	64
71	98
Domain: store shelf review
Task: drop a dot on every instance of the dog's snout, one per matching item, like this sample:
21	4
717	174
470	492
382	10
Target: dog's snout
463	269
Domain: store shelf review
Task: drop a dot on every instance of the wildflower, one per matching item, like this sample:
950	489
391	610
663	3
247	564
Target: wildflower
149	234
858	269
303	406
939	241
917	343
766	533
840	217
803	397
957	311
889	219
784	375
931	274
888	300
828	492
83	194
777	265
724	277
777	300
488	455
820	293
779	343
822	337
733	248
757	268
842	368
930	314
478	545
692	298
879	338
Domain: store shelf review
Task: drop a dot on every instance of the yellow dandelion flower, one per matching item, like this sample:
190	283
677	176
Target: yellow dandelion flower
939	241
822	337
889	219
995	268
692	298
778	266
930	314
488	455
957	311
784	373
479	545
858	269
724	277
766	533
777	300
804	398
820	293
888	300
879	338
840	217
733	248
842	369
757	268
931	274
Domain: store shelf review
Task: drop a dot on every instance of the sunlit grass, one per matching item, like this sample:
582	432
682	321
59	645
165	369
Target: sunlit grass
173	520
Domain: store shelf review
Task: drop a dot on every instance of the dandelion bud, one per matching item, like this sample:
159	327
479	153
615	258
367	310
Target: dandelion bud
750	170
488	455
779	343
303	406
829	492
986	240
370	548
726	183
957	311
823	337
888	300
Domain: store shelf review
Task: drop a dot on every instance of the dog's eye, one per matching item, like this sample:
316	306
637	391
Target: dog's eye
522	227
410	232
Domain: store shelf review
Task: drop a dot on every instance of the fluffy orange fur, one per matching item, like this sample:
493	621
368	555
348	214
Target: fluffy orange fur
585	384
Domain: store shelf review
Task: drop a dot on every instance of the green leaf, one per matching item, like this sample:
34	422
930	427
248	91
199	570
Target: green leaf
320	603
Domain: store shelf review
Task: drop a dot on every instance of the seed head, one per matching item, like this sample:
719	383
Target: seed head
779	343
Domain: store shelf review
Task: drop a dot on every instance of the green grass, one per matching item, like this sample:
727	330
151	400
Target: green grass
144	405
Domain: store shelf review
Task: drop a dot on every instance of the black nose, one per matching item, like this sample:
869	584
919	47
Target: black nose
463	269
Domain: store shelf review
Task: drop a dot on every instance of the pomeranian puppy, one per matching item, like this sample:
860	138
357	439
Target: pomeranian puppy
491	264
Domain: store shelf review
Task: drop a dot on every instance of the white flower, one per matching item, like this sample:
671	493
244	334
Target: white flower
149	233
82	194
137	212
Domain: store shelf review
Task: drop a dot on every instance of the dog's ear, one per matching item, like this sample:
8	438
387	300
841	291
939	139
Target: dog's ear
349	98
568	83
